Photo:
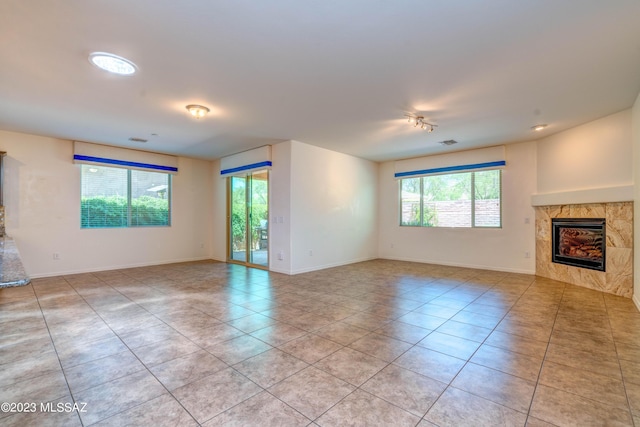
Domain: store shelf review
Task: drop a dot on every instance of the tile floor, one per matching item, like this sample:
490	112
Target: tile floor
379	343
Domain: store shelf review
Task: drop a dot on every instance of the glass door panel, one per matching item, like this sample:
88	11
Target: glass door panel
238	219
259	214
248	210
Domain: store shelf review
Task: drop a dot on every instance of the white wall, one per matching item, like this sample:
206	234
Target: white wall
333	208
218	214
596	155
635	138
280	208
494	249
42	200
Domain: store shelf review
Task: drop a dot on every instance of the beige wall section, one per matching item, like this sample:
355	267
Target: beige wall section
503	249
595	155
218	214
42	199
333	208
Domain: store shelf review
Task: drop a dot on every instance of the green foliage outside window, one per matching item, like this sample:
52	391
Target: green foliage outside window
111	211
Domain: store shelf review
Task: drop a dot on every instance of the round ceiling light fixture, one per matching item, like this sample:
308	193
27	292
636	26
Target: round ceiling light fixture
113	63
538	128
197	111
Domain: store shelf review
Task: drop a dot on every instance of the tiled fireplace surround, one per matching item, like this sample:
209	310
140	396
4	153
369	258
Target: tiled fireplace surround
618	278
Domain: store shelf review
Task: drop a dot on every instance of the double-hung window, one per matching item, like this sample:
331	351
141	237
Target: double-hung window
467	199
120	197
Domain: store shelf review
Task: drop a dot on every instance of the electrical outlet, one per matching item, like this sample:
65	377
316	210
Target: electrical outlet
56	256
281	256
527	255
310	252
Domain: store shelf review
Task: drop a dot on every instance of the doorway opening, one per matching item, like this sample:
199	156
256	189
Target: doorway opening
248	219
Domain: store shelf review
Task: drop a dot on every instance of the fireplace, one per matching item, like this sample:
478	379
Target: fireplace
579	242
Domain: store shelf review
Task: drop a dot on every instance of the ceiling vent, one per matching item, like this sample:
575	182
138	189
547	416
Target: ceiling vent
132	139
449	142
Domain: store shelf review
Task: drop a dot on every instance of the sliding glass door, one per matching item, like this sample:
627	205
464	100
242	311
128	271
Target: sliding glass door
248	218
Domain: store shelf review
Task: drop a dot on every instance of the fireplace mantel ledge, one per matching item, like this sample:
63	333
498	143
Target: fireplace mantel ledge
623	193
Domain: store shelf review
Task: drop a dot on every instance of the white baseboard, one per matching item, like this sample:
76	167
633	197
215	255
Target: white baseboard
116	267
453	264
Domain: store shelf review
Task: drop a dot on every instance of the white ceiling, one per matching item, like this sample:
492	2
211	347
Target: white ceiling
338	74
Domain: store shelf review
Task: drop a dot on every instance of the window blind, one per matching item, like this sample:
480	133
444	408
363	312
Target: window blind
246	161
462	161
104	155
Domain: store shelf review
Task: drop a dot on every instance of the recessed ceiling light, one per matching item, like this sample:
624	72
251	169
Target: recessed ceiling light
538	128
112	63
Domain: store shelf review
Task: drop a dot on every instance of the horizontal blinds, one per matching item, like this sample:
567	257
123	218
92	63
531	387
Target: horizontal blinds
462	161
246	161
104	155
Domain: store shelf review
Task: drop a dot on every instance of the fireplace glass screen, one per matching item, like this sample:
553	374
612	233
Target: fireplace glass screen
579	242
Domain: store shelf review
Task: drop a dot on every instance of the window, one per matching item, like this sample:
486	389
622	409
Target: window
470	199
115	197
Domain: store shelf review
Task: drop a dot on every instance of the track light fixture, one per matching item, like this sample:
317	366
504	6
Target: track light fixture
419	121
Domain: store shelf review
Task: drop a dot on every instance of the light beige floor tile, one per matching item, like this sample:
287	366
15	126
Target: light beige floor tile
464	330
421	320
601	361
588	384
362	408
238	349
461	409
498	387
187	369
310	348
403	331
118	395
430	363
270	367
342	333
260	410
351	365
312	391
517	343
278	334
406	389
450	345
163	411
565	409
380	346
214	394
162	351
519	365
100	371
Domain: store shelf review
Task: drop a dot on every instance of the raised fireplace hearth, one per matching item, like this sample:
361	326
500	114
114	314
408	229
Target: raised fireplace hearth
579	242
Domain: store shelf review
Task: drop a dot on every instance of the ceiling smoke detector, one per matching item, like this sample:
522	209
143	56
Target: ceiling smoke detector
448	142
